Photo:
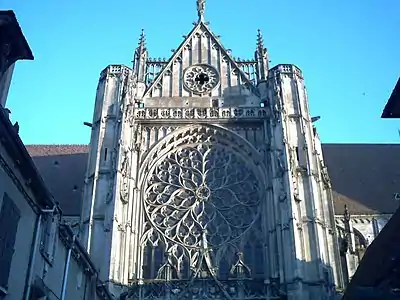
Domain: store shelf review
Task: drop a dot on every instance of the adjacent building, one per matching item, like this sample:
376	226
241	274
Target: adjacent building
40	257
14	48
378	275
392	107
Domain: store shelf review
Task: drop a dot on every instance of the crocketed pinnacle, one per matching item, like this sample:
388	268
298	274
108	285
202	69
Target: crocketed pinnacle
260	41
140	58
142	42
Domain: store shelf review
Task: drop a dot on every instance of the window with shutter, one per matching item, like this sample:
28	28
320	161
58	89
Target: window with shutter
48	235
9	219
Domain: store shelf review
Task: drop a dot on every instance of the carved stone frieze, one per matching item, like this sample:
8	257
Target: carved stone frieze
201	113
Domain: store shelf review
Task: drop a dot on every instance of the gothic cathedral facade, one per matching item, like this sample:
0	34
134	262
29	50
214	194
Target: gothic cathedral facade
206	179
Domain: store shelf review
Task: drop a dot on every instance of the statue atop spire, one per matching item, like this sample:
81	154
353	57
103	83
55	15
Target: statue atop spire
201	6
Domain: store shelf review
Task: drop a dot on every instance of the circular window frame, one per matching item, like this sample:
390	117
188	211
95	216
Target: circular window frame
207	69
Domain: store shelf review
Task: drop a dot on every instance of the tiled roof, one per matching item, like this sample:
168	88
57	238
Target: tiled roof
364	176
63	168
367	176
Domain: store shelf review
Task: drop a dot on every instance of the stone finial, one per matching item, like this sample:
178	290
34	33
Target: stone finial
260	41
261	55
201	6
140	58
142	42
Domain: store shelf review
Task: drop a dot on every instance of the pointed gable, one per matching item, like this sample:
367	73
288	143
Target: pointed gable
201	46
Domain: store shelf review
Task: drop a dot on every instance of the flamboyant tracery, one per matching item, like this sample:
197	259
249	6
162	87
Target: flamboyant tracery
203	194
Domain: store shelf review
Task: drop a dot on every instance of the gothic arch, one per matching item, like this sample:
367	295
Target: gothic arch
360	239
175	139
204	186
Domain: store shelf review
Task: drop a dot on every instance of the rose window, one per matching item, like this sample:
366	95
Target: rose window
202	188
200	79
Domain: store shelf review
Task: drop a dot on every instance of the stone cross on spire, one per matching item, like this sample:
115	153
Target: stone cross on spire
201	5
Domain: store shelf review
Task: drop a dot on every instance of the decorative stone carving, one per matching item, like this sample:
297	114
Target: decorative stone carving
125	169
204	289
202	186
325	176
128	97
280	162
202	189
124	190
240	269
201	113
277	105
201	6
125	161
201	79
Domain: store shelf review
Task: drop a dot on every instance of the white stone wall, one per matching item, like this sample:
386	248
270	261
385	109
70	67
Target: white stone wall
301	215
100	216
305	198
50	271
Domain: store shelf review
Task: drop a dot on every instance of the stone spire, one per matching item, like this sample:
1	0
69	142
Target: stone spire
261	56
201	5
140	58
260	41
142	42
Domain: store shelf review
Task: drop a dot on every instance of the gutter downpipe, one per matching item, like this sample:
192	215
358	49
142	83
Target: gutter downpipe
34	246
66	270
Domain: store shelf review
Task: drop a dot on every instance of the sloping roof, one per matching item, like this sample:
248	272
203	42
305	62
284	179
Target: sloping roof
364	176
63	168
11	33
379	259
392	108
368	174
14	147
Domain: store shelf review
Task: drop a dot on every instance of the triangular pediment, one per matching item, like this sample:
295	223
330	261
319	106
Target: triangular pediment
200	47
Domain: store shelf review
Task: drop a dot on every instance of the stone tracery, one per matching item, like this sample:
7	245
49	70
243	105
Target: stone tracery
201	78
204	186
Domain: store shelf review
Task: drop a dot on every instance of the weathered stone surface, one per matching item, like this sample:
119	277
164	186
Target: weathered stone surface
206	172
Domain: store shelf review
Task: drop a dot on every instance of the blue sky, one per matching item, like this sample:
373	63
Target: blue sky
348	51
